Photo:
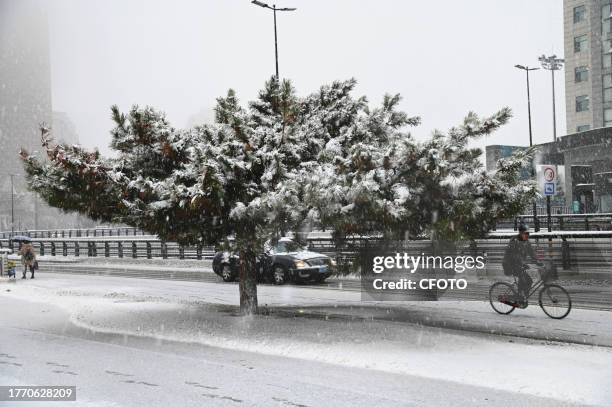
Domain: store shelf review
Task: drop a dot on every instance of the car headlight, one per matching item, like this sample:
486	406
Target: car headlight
299	264
332	262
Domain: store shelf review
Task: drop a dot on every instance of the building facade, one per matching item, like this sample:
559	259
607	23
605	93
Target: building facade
585	162
588	64
25	80
25	103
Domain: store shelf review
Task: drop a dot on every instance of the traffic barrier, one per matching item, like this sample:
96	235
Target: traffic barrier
75	233
570	250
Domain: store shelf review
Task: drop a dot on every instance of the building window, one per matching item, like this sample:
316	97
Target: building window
607	88
581	74
582	103
579	14
606	20
607	117
606	53
582	128
580	43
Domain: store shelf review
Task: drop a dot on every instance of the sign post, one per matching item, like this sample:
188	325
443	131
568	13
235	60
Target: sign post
547	180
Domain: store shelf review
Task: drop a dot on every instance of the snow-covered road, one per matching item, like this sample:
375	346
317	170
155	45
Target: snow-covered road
111	370
148	342
581	326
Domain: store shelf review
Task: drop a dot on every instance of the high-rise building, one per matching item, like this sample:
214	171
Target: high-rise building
588	64
25	103
25	79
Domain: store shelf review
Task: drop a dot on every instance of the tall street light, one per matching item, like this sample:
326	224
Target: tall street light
527	69
274	9
12	207
552	63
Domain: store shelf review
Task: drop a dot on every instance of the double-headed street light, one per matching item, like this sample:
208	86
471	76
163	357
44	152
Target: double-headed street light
552	64
527	69
274	9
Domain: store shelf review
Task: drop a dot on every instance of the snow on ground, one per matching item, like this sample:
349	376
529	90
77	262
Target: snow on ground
137	371
171	311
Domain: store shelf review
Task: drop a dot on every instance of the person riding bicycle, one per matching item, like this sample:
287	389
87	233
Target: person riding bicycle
515	260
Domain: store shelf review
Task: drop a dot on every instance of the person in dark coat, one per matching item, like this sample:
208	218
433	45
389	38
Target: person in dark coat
518	252
28	258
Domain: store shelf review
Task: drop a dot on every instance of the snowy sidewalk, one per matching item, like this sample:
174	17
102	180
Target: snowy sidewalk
581	326
206	313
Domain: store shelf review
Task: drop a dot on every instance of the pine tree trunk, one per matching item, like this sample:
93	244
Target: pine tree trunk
248	280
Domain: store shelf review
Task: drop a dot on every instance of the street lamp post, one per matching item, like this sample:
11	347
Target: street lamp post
552	63
12	206
274	9
527	69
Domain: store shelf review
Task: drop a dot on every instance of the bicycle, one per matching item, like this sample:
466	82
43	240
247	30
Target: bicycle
554	300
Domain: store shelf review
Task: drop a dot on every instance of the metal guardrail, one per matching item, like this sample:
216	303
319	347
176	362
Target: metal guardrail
76	233
573	222
124	248
569	221
570	250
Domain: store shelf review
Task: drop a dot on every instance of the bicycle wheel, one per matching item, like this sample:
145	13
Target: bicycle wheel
555	301
502	296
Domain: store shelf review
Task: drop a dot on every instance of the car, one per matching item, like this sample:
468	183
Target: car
282	261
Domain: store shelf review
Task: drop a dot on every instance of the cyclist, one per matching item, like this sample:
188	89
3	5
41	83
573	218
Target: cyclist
515	261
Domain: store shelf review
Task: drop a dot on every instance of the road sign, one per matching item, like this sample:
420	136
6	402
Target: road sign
549	188
549	174
547	179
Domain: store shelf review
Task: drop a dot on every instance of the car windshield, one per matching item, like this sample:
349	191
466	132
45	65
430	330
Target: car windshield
288	246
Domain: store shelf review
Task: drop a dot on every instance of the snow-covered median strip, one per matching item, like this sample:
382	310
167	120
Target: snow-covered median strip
566	372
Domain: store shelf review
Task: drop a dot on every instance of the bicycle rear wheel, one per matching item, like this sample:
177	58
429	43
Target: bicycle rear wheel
502	296
555	301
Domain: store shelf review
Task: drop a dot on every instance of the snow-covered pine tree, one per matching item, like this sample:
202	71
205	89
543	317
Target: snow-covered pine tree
262	170
376	178
73	179
191	186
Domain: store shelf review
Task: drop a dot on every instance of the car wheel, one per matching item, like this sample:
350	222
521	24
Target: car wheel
279	275
226	273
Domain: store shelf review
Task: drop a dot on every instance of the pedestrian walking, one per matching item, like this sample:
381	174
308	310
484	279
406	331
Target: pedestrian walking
28	258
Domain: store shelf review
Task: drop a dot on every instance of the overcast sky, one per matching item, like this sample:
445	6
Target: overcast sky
445	57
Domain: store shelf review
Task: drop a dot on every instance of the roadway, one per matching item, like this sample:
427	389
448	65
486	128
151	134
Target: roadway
42	346
586	293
